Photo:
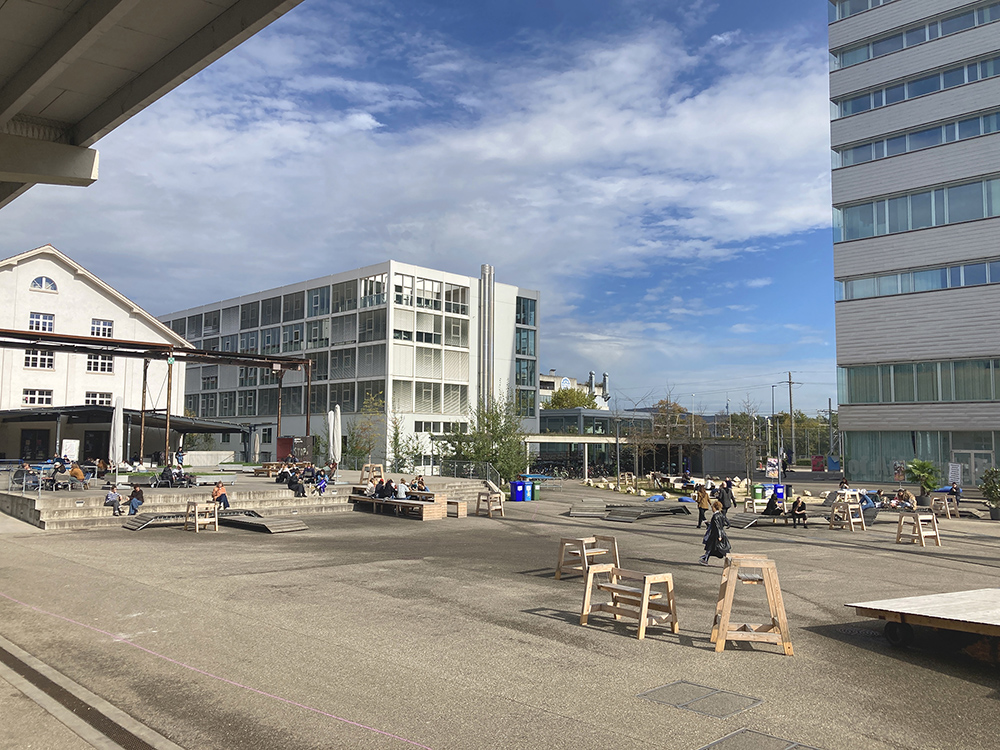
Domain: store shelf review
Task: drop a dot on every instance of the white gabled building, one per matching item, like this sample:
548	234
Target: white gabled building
43	290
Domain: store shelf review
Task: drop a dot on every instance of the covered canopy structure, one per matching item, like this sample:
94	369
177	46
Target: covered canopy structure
71	71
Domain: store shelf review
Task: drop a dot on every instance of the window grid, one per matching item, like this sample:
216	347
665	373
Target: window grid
912	88
923	280
104	329
38	359
41	322
44	284
100	363
889	43
950	204
36	397
920	382
94	398
917	140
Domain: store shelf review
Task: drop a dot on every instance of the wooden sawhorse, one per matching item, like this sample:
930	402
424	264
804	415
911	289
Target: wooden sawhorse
750	569
492	497
641	602
924	527
374	472
845	513
946	506
581	549
202	514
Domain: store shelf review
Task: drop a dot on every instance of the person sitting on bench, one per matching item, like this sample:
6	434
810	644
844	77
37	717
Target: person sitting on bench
219	495
114	500
295	485
401	490
388	489
135	500
799	513
370	489
380	488
320	485
772	508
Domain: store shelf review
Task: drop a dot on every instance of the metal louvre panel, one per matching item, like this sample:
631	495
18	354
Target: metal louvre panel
456	365
402	360
371	360
427	398
344	329
230	320
456	398
402	320
402	396
342	363
428	323
428	362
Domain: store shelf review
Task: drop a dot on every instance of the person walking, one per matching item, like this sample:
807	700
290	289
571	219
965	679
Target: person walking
726	498
704	504
715	539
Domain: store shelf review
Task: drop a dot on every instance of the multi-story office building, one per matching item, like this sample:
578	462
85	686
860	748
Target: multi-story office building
428	344
915	89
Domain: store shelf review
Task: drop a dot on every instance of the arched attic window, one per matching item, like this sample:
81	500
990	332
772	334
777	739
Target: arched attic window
44	283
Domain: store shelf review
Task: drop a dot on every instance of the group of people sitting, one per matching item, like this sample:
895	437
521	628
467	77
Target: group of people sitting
797	512
299	480
176	477
387	488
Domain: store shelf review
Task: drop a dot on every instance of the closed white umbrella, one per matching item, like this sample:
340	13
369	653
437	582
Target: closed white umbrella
115	439
329	435
255	448
335	429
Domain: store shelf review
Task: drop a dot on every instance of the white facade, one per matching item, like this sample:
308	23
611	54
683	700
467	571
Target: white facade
916	194
425	341
44	290
549	384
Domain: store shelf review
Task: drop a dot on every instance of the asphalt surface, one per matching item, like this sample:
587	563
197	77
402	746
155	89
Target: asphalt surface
377	632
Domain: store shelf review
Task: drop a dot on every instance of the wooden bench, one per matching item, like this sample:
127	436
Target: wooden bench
422	510
579	550
202	514
213	478
651	607
923	527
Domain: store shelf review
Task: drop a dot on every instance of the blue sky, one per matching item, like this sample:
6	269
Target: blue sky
659	170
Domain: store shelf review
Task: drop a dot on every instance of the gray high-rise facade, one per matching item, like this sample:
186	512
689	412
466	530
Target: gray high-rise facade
915	94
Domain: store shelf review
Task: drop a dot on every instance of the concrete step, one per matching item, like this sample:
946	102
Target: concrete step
110	521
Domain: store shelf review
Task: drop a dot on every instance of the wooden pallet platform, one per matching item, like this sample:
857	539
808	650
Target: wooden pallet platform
976	611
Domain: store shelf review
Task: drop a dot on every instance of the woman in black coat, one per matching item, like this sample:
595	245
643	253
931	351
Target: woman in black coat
715	539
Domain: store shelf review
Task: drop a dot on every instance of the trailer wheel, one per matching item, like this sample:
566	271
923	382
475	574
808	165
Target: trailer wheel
899	634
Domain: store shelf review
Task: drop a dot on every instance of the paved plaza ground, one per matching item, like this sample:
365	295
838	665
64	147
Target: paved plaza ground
377	632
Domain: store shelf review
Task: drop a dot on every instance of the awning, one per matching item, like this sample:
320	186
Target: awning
103	414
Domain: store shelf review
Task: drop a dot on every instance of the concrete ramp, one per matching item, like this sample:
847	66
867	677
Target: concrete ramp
237	517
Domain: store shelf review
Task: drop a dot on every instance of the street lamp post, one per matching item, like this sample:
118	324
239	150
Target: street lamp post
618	453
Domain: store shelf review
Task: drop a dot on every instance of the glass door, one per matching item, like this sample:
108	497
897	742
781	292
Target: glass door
973	464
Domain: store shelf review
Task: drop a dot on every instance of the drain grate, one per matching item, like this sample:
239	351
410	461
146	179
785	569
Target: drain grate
863	632
747	739
701	699
110	729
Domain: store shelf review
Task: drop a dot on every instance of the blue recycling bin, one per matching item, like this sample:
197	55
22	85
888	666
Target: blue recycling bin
779	490
520	491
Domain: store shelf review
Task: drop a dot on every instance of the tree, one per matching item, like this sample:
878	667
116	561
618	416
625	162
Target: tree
746	431
570	398
495	436
402	447
363	433
197	441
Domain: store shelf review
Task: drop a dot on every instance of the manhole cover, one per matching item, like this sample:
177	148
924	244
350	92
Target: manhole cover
747	739
862	632
701	699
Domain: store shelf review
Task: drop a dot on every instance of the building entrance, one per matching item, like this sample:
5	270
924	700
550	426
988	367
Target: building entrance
973	464
35	445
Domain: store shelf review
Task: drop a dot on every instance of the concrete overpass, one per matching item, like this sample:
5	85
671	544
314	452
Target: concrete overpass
71	71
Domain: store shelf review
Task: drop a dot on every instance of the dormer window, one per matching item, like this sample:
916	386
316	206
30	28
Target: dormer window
44	284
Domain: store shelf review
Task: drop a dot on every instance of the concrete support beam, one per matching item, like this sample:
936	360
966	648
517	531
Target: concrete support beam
25	160
11	190
232	27
86	26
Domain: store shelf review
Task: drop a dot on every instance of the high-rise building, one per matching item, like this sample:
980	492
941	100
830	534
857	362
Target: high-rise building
428	344
915	93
